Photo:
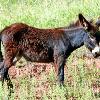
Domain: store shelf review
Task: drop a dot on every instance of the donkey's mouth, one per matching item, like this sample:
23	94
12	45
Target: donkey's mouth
97	56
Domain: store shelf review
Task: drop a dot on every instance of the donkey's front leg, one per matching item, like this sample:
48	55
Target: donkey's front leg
60	62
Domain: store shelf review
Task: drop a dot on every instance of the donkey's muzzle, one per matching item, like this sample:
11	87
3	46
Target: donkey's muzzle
96	51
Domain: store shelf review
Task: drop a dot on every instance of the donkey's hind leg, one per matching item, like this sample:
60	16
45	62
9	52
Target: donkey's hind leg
7	63
5	76
10	86
4	72
10	54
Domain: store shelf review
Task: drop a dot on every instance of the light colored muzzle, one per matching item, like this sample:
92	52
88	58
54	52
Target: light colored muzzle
96	50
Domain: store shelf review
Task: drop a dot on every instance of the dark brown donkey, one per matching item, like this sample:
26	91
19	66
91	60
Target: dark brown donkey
45	45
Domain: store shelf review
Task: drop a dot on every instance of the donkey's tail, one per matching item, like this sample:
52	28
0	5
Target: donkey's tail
1	55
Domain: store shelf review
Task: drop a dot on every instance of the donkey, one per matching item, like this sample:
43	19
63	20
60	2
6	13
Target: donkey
45	45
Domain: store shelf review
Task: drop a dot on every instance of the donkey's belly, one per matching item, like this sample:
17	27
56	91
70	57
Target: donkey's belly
42	56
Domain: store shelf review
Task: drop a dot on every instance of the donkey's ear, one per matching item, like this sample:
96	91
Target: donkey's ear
84	22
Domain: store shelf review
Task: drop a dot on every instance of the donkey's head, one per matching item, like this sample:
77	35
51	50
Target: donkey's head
93	30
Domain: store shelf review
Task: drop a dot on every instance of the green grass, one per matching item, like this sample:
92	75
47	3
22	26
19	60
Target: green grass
49	14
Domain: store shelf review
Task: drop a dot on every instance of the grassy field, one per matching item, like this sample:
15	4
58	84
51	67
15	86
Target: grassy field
82	77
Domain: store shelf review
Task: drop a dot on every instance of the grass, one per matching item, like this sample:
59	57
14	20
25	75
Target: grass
48	14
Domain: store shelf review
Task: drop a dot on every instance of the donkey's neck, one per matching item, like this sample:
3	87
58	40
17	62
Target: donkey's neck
76	37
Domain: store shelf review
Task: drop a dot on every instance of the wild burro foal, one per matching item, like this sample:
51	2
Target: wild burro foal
44	45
